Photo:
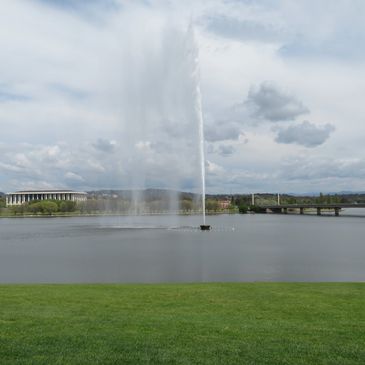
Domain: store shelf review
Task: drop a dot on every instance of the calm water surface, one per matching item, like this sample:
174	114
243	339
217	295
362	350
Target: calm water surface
167	249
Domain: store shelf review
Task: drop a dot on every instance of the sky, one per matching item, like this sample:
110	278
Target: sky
102	94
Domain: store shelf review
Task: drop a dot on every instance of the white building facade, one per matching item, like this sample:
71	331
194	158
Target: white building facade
22	197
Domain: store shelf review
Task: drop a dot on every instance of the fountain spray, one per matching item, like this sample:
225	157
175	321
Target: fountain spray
199	114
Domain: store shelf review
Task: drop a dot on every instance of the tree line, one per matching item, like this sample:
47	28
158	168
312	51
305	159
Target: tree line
187	203
47	207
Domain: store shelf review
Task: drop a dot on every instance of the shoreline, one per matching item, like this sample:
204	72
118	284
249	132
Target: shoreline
109	215
308	214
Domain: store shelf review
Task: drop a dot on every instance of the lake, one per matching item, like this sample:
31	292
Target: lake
258	247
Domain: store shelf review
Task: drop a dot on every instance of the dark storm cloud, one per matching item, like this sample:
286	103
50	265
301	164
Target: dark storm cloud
267	102
306	134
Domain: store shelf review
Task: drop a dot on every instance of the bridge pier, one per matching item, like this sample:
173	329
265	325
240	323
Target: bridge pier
312	207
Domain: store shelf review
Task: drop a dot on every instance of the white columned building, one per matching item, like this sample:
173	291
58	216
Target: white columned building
22	197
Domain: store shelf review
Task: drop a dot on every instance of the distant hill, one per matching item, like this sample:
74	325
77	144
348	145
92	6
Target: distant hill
148	194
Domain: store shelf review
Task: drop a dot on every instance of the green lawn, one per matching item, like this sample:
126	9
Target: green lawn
248	323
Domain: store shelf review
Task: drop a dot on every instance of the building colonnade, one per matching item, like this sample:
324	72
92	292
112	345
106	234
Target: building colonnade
22	197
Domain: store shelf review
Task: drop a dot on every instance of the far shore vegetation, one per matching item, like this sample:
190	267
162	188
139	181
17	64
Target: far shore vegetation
158	202
241	323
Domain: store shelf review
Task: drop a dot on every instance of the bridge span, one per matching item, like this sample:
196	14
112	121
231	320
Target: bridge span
283	208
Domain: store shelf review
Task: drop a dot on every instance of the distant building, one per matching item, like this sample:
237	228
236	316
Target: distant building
224	204
21	197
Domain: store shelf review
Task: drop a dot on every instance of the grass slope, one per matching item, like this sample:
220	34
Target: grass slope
243	323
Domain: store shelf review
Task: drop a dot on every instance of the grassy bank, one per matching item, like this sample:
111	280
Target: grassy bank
249	323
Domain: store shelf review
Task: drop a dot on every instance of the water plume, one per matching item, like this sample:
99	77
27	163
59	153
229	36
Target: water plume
161	128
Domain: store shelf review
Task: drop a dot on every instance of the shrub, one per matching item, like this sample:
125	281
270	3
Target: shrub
48	207
242	209
67	206
256	209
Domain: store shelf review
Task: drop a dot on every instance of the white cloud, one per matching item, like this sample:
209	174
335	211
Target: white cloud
105	145
244	29
305	134
73	177
226	150
104	90
325	174
222	131
143	146
267	102
213	168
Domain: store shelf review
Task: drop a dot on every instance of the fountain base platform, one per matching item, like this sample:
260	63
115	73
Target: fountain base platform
205	227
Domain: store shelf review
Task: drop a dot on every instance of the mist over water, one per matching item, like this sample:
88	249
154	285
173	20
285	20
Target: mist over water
160	135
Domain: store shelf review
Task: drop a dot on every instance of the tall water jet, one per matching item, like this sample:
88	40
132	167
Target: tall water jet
200	120
199	112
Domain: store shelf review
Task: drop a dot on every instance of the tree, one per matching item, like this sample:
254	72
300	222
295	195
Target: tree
321	199
242	208
256	209
33	207
48	207
211	205
186	204
292	200
18	209
44	207
67	206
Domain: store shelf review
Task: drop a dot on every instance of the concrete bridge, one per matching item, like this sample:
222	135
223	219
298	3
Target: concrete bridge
283	208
